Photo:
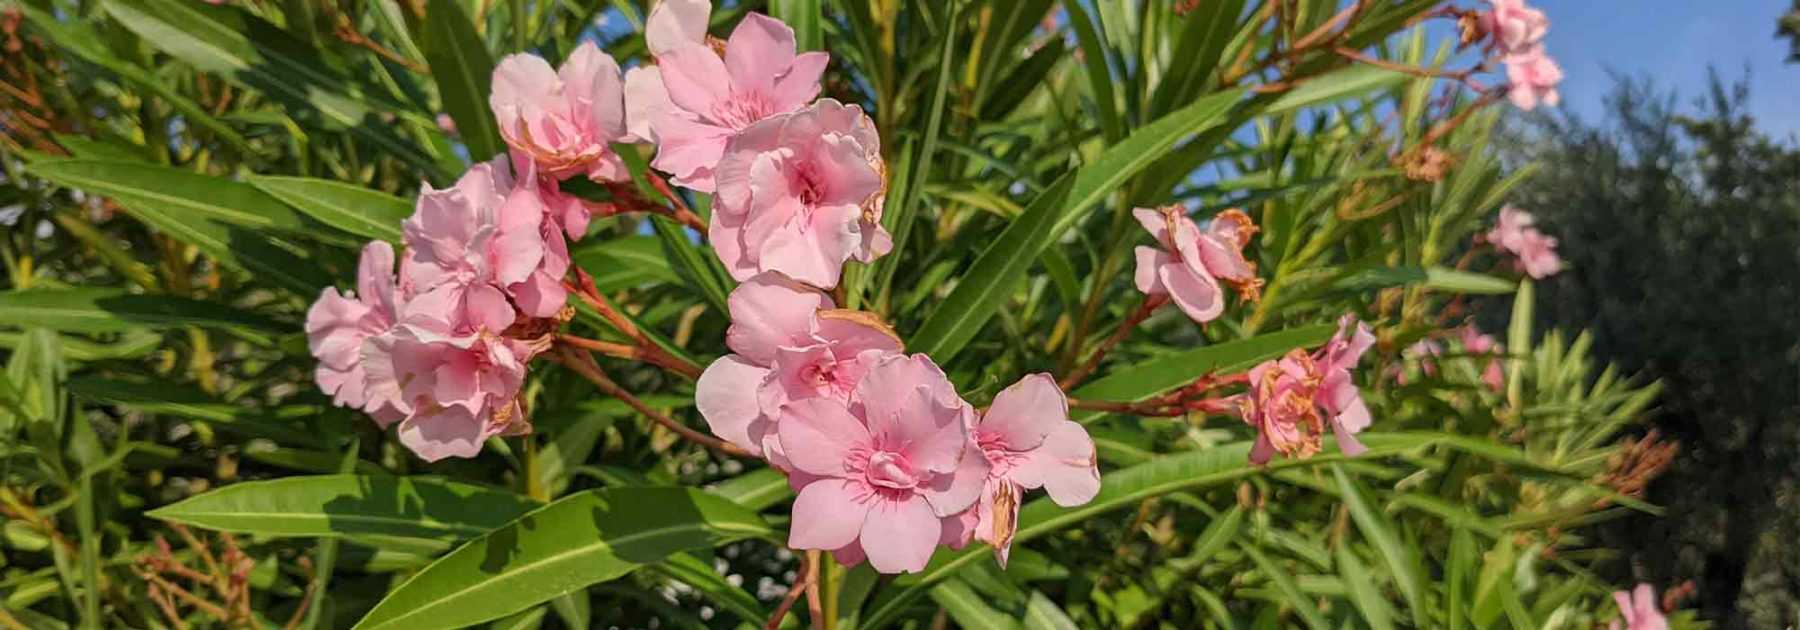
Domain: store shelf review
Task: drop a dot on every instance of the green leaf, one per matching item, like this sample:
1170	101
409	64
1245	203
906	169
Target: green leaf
807	19
464	72
366	213
625	262
184	401
351	505
757	489
244	49
1333	86
103	310
1100	80
1205	32
1284	583
577	541
178	190
1176	369
1363	592
700	574
1126	488
701	272
1043	614
1446	279
1375	526
997	273
968	608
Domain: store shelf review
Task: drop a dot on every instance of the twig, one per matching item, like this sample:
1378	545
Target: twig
680	210
813	606
1143	312
346	33
583	288
583	364
654	356
809	568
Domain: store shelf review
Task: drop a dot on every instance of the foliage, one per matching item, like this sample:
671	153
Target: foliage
188	177
1694	203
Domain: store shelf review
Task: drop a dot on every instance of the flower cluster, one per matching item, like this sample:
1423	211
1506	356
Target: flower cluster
1294	399
878	444
1515	35
1517	234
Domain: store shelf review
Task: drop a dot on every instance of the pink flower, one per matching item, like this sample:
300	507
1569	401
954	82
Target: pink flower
1190	262
1517	233
1029	442
695	98
1293	399
1426	352
801	194
452	392
887	470
1531	78
1512	27
564	119
337	325
1639	610
473	246
1485	349
446	123
788	345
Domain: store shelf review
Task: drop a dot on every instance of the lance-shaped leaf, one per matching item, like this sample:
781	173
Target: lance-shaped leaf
353	209
351	505
464	72
1169	371
103	310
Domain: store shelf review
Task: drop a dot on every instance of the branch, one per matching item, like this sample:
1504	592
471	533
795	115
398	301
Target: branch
584	289
1143	312
583	364
809	573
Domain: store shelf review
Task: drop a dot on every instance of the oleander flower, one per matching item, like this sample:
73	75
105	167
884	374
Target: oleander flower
1531	79
696	97
485	245
1512	27
886	472
1029	442
1638	609
337	324
1294	399
564	119
1516	232
788	343
1486	352
453	391
1189	262
801	193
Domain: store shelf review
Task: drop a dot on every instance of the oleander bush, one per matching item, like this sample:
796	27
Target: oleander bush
434	313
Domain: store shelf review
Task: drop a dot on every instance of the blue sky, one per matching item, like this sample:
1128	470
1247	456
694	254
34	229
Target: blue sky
1674	41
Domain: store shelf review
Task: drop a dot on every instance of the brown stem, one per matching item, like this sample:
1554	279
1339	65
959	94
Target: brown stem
192	600
647	350
814	606
346	33
649	354
583	364
808	575
1143	312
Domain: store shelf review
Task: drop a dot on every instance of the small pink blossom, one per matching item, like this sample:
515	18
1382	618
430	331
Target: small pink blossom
564	119
788	344
446	123
1189	262
1639	610
1293	399
801	193
1486	351
1516	232
452	391
1531	79
1425	351
695	97
1513	27
1029	442
886	472
484	245
337	325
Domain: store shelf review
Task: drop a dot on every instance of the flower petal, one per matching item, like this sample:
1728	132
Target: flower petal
696	78
818	435
1064	466
452	431
1023	414
829	514
769	311
675	24
759	47
726	398
1196	293
900	535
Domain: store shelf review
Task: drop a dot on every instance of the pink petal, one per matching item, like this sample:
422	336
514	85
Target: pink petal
1196	293
726	398
850	339
818	436
645	100
953	492
375	277
1023	414
813	254
450	432
592	78
1346	439
800	85
675	24
829	514
1155	222
1262	451
845	172
522	84
900	535
1150	261
759	47
690	149
769	311
1064	466
487	307
696	78
1224	260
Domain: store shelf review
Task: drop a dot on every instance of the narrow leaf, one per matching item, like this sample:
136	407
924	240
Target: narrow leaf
101	310
464	71
350	505
1174	370
1375	526
366	213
